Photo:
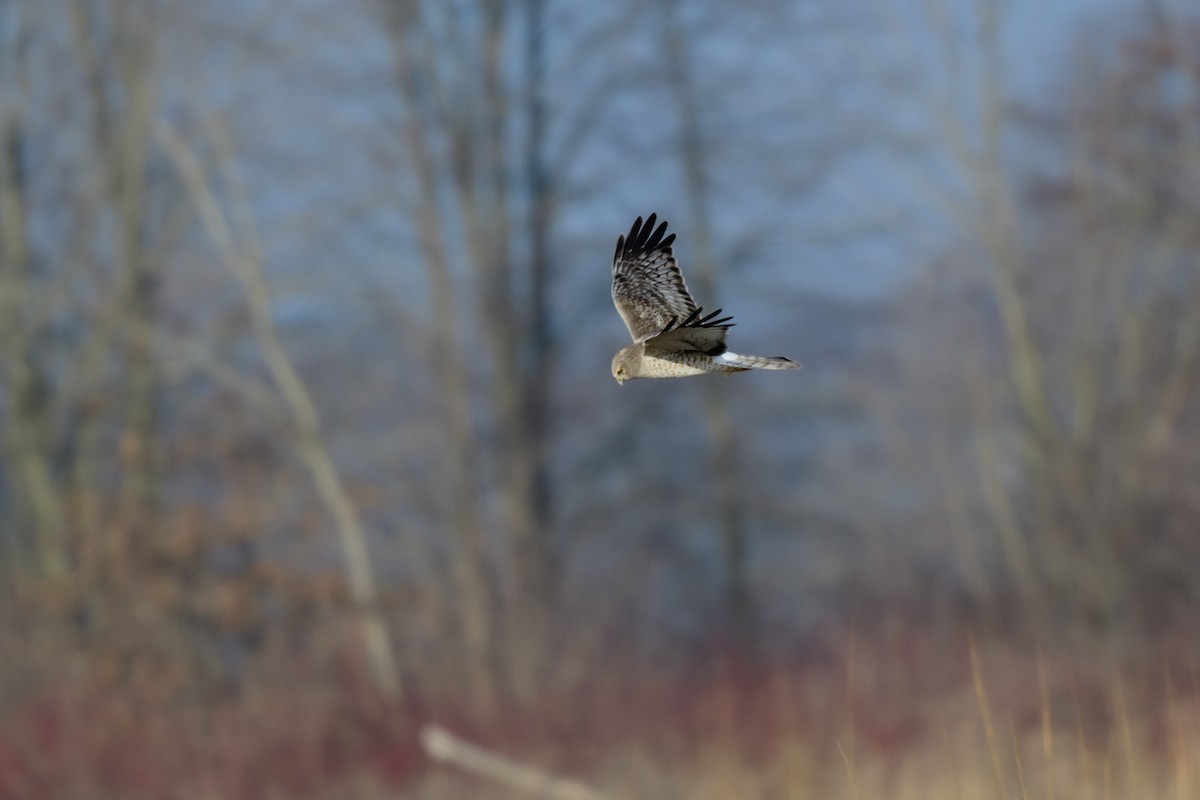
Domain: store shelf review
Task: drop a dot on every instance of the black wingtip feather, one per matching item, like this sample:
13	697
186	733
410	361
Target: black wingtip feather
643	237
709	321
693	321
655	240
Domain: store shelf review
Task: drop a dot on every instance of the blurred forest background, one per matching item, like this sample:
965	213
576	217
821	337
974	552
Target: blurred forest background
309	437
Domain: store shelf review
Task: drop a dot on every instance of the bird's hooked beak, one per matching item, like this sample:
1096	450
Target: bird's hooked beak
620	381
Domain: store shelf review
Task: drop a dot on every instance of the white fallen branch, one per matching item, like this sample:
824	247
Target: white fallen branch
441	745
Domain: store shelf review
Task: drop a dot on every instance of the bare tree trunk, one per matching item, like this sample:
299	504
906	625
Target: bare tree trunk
26	433
245	262
535	557
483	173
724	456
985	168
519	378
483	198
469	563
541	194
126	149
115	42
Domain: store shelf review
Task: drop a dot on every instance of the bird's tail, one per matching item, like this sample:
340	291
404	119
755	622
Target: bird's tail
740	361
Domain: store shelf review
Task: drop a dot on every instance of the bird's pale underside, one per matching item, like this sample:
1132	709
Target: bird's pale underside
672	337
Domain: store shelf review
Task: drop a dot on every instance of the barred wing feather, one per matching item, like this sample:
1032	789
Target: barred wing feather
647	287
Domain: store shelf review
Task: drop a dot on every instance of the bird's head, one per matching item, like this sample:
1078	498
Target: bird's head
623	366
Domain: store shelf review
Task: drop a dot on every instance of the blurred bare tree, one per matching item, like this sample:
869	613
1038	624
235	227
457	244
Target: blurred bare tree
74	301
472	571
1112	298
1060	411
90	221
244	258
485	205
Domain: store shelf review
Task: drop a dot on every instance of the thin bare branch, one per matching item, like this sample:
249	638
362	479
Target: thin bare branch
247	267
441	745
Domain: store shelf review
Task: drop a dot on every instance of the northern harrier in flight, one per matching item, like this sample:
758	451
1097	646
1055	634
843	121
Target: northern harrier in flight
670	338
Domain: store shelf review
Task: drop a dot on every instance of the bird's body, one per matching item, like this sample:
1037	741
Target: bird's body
670	337
666	365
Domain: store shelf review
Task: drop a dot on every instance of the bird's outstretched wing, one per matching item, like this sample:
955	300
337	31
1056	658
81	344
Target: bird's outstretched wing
647	286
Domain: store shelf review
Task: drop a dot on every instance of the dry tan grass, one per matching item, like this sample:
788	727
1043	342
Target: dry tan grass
1038	728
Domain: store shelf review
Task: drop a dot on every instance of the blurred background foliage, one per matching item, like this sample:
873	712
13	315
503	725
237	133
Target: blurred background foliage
308	434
